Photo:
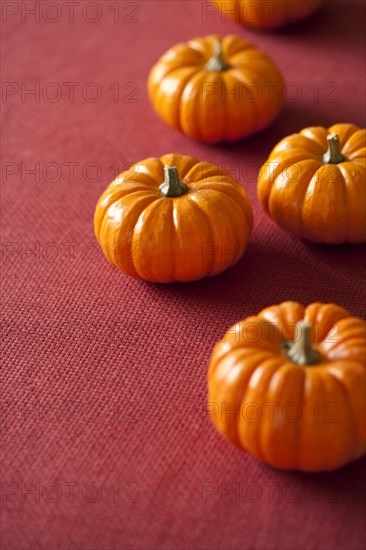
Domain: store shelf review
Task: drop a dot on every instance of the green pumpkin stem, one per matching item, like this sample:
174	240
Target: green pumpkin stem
217	63
302	351
334	153
172	186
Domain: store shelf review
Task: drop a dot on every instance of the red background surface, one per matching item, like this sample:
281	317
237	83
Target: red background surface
104	377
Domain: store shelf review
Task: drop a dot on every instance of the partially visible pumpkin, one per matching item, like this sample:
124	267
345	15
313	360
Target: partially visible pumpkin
173	219
216	89
288	386
269	14
314	184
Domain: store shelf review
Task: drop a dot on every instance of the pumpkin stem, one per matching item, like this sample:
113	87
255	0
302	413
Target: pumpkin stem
172	186
334	154
217	63
302	351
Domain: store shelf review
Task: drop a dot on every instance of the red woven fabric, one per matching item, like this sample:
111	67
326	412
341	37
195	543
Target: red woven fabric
104	377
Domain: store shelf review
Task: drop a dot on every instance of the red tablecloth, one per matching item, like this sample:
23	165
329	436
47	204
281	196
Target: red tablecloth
106	443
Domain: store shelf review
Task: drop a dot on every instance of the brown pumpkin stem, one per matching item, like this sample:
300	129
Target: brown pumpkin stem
302	351
217	63
172	186
334	154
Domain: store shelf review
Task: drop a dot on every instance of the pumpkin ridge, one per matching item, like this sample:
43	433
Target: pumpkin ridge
345	198
252	50
290	144
113	196
261	62
137	236
344	389
298	311
257	361
208	171
315	181
268	354
180	51
204	216
114	200
301	209
274	314
263	79
179	69
336	374
278	362
348	173
130	244
343	332
198	75
241	44
311	379
266	181
240	396
204	114
221	179
295	150
260	70
273	190
140	186
243	80
203	45
144	169
350	149
351	412
214	230
238	208
174	236
241	198
318	312
178	98
346	133
317	135
360	159
248	225
301	405
287	367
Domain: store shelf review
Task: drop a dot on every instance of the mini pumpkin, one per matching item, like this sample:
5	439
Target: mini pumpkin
313	184
173	219
216	90
288	386
269	15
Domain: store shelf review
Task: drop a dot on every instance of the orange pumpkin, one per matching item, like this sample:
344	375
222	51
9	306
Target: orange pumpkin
216	90
288	386
269	15
313	184
173	219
